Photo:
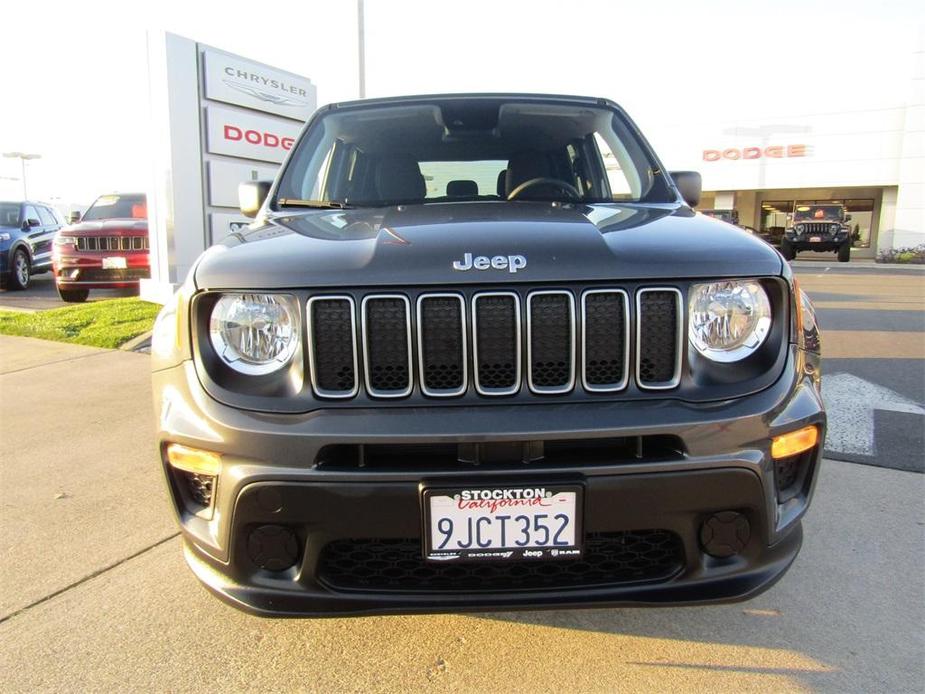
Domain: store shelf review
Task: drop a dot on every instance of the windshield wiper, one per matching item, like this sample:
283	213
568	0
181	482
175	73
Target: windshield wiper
316	204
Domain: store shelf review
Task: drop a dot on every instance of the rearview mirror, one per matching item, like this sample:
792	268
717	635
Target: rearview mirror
73	217
251	196
689	184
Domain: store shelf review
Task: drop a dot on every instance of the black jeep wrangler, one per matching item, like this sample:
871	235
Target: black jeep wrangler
818	228
478	352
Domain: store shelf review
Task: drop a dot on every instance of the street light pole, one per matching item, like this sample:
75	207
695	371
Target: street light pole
22	156
361	40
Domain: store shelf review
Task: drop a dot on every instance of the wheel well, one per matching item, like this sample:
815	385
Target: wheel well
25	246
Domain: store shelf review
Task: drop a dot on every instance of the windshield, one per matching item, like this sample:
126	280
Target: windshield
471	149
9	214
818	213
117	207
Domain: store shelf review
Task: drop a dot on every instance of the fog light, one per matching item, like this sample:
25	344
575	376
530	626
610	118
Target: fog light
794	442
197	472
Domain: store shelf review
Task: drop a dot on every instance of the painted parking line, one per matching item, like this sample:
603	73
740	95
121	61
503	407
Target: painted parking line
867	344
851	403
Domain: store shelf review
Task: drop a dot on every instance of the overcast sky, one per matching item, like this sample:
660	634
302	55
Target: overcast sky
74	75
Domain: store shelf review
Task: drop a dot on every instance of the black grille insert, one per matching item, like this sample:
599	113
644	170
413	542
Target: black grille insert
496	455
604	340
396	565
114	275
496	323
332	338
387	332
659	330
551	334
441	331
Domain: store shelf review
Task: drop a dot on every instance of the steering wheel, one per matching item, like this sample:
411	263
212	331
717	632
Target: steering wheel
567	187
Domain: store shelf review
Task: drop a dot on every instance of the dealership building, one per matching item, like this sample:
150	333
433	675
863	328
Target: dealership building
870	160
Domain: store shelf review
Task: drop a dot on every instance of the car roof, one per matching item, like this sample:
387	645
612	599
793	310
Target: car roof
416	98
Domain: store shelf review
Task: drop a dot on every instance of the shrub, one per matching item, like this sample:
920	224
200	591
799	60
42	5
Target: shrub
914	255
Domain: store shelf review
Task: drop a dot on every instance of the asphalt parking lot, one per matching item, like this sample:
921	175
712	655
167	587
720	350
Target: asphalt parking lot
42	295
94	594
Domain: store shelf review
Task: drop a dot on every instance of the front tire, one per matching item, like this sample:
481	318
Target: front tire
844	253
20	270
73	296
786	250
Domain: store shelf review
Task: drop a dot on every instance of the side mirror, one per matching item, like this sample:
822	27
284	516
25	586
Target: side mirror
31	222
847	217
251	196
689	184
73	217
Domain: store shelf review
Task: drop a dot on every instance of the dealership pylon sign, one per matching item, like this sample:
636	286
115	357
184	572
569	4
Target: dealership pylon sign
217	119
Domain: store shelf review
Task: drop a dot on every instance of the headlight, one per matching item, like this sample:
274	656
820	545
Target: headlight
65	240
729	320
255	334
5	236
835	228
799	228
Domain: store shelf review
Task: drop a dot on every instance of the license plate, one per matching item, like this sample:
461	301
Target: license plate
114	263
502	523
815	239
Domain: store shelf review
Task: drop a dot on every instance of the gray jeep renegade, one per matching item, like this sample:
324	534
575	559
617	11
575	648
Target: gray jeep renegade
478	352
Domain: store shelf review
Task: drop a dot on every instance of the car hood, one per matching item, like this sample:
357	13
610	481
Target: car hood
418	244
107	226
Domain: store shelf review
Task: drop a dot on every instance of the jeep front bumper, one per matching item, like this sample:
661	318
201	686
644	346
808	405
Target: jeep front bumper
352	530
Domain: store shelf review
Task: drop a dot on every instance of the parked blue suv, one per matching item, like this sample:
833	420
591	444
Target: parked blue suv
27	230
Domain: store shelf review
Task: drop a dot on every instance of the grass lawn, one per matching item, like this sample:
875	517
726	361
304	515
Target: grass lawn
98	324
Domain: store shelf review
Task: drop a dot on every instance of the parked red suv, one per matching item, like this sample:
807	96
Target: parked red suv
106	249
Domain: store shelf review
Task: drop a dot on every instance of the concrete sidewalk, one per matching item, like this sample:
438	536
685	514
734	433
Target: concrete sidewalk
94	594
81	490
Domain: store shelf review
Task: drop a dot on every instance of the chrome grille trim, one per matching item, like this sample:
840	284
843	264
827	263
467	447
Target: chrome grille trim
366	375
679	329
626	342
463	338
321	392
518	341
551	390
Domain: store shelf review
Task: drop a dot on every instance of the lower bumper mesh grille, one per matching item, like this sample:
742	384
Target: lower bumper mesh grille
114	275
396	565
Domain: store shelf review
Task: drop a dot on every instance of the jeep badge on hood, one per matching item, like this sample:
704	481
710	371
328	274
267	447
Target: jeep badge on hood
511	263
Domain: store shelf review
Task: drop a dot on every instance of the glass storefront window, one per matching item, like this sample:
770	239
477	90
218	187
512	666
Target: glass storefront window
777	215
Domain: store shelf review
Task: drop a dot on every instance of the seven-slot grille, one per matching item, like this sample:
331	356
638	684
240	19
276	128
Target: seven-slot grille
112	243
818	227
565	341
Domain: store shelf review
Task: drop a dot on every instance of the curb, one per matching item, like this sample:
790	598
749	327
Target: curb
141	343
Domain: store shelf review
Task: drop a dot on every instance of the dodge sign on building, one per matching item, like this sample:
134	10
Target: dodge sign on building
250	113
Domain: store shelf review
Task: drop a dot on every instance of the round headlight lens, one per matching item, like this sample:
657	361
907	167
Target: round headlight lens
728	320
799	228
255	334
834	228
